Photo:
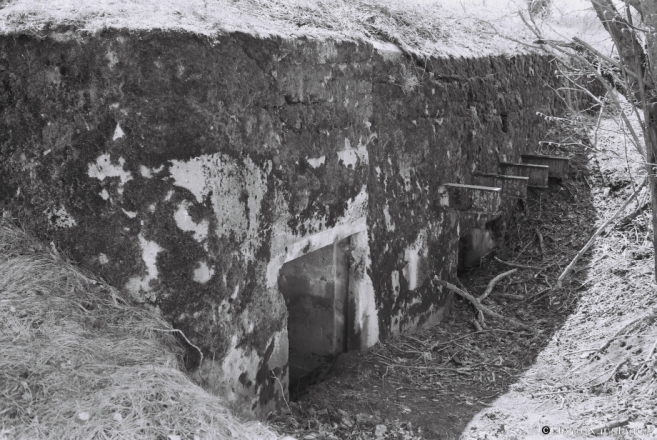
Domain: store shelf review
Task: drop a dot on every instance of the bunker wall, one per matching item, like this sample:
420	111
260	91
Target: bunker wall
188	171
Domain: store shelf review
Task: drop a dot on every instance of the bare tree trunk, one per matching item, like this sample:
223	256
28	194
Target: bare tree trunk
635	59
649	14
650	117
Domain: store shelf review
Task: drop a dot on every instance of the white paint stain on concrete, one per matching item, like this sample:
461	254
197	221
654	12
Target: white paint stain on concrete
112	59
118	133
390	225
362	290
184	222
237	191
60	218
395	320
104	168
443	196
203	273
315	162
413	255
394	279
145	172
131	214
191	176
244	360
351	156
286	245
149	251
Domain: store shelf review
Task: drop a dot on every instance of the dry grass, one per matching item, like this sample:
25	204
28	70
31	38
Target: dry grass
79	361
423	27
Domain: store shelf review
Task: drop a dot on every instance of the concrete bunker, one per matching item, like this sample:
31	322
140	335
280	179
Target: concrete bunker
195	200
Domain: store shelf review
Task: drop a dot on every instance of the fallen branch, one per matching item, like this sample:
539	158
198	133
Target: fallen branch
479	307
628	218
519	266
588	245
493	282
540	294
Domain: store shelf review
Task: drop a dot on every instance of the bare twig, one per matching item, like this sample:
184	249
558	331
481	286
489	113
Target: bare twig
519	266
175	330
540	294
588	245
600	55
494	282
479	307
628	218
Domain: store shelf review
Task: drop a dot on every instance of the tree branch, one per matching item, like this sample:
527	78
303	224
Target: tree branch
478	306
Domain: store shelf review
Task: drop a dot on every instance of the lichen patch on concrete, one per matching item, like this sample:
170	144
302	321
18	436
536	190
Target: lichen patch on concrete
138	284
104	168
118	133
184	222
317	161
236	191
203	273
60	218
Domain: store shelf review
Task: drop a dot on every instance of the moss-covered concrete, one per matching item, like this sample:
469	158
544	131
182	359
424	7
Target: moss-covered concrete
189	170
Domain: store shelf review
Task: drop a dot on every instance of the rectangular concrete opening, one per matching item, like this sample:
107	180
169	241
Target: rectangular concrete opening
316	291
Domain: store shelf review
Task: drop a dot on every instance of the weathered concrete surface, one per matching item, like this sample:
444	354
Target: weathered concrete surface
470	197
558	165
189	171
537	174
512	186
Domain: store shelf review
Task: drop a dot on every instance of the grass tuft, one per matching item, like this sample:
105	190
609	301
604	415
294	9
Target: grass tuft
79	360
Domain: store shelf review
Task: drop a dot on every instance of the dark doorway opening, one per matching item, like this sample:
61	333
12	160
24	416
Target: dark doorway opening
316	291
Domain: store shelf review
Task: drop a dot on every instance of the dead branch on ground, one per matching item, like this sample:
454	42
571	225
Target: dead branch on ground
519	266
588	245
479	307
494	282
628	218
